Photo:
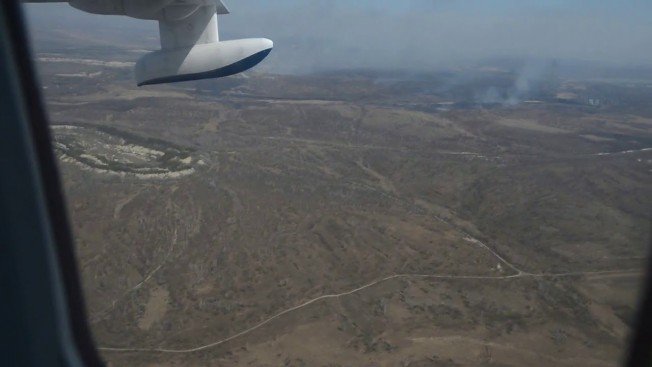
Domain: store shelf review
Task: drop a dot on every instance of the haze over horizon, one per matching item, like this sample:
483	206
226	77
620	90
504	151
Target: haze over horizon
411	35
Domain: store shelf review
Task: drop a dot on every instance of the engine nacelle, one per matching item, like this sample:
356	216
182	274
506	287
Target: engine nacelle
210	60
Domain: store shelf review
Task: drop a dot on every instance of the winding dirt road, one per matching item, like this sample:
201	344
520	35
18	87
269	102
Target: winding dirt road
358	289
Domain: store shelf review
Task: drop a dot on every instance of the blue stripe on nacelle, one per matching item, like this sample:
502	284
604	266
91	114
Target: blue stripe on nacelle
236	67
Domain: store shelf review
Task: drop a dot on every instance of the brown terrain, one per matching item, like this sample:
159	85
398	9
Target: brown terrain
334	221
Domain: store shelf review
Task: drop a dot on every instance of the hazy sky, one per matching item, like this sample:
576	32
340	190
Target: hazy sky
406	34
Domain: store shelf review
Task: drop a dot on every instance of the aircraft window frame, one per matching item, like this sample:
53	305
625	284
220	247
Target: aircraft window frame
639	354
64	282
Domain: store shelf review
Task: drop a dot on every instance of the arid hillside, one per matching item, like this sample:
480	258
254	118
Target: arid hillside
333	220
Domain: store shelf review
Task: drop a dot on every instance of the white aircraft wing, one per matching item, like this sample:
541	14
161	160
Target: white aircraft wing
191	48
190	44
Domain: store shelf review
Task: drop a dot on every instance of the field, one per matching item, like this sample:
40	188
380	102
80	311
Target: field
336	220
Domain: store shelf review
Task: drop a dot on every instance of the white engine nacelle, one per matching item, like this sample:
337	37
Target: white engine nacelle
209	60
190	44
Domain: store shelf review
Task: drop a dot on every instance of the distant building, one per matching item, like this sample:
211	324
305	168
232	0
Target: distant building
594	101
567	97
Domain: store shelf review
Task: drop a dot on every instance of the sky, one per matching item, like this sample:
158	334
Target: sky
400	34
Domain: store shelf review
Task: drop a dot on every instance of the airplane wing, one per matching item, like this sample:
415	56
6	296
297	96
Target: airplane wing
190	44
191	48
